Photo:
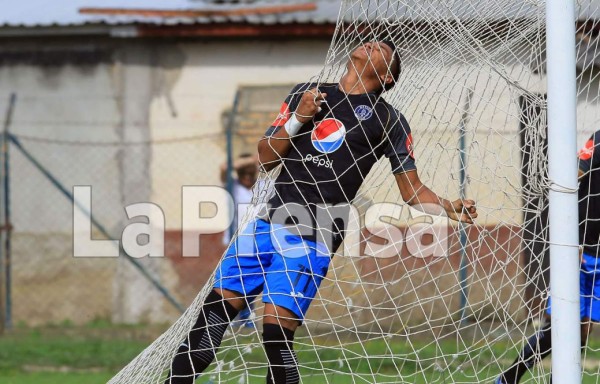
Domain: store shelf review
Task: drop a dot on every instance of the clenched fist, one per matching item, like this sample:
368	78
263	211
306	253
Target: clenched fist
310	105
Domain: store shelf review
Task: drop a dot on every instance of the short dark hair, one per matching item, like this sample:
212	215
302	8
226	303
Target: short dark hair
248	169
395	65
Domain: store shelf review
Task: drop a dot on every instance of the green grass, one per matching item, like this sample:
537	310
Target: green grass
94	353
66	355
55	378
431	364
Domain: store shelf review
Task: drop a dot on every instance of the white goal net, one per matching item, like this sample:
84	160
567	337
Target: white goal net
437	302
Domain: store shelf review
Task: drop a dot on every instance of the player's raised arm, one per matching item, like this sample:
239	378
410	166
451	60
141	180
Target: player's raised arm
276	142
414	192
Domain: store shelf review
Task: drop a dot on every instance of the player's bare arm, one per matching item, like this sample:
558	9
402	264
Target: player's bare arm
271	149
414	192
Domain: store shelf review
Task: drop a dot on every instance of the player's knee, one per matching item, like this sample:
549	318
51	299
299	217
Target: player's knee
198	350
273	333
213	320
217	304
234	299
281	317
586	329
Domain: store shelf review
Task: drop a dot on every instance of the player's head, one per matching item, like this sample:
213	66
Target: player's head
246	169
394	67
378	61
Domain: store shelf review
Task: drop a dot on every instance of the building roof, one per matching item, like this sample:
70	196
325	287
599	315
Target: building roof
44	13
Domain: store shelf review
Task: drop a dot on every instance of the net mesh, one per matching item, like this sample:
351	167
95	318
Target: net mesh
472	88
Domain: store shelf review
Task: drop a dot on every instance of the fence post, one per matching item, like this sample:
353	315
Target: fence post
229	149
464	259
6	226
563	210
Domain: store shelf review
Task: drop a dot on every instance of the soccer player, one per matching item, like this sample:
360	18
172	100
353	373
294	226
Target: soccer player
538	346
326	139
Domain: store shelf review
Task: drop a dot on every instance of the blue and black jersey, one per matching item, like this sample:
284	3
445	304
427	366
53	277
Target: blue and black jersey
589	196
331	155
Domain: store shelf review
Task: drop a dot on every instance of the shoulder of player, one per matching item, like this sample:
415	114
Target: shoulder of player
303	87
396	118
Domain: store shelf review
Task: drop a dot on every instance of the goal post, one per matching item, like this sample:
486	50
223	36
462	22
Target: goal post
563	197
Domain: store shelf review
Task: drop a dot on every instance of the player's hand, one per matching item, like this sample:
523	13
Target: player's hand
464	211
310	105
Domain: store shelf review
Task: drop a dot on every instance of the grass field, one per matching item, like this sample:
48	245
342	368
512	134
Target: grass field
92	354
65	355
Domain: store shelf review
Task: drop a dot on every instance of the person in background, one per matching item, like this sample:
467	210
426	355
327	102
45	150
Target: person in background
246	173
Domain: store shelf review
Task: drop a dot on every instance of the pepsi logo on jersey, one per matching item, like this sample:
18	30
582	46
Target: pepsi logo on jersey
319	161
328	135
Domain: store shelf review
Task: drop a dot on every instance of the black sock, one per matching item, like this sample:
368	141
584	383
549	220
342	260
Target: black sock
536	348
198	350
283	362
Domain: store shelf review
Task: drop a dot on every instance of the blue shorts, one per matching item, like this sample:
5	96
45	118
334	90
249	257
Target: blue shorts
268	258
589	289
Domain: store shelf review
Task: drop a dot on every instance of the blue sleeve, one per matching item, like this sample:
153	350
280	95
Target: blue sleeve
588	158
399	148
287	108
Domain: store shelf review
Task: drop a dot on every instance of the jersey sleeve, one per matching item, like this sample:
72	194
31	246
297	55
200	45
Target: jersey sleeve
287	108
399	148
589	160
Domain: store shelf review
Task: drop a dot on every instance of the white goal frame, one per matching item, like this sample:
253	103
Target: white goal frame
563	198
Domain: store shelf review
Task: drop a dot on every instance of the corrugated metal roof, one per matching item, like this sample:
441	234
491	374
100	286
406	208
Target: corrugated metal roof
44	13
435	10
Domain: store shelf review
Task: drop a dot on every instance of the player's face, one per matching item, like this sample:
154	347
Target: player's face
374	58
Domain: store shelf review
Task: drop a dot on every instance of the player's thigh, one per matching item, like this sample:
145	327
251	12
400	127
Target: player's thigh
592	269
241	268
292	282
585	293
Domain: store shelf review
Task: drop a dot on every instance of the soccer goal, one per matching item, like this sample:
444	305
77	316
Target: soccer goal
410	296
